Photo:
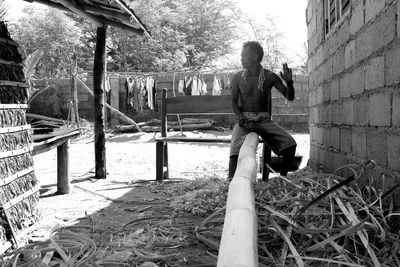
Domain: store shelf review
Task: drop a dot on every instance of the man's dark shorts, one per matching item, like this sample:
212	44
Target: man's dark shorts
260	122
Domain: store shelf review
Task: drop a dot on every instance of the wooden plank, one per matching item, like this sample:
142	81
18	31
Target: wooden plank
54	142
63	186
238	245
159	161
15	176
99	123
195	105
16	152
15	129
196	140
13	106
8	41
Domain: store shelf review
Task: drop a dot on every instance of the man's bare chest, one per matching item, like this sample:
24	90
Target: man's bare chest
249	87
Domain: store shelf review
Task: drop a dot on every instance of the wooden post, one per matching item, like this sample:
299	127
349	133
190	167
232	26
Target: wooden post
63	168
238	245
98	78
164	133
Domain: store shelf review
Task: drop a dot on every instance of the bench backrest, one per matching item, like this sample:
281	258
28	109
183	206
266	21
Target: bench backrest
194	105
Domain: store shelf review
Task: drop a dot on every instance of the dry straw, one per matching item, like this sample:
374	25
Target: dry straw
344	227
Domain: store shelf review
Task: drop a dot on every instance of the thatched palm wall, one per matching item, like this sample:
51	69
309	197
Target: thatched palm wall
18	185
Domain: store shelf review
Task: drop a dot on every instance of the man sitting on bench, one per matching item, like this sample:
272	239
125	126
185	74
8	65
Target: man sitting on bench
251	89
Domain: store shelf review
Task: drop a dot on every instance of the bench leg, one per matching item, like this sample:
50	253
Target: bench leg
159	161
165	165
63	186
266	159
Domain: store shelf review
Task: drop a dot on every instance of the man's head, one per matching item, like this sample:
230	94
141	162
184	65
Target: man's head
252	54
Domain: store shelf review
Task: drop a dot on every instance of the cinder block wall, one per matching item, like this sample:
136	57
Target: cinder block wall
354	78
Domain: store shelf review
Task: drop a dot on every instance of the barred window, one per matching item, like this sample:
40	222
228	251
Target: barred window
333	11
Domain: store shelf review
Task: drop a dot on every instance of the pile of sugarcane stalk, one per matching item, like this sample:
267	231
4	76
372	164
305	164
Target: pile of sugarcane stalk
315	219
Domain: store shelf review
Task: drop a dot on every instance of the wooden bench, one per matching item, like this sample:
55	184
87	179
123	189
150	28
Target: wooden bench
62	142
195	105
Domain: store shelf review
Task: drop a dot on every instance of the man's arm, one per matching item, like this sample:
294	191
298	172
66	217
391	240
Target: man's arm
235	97
286	91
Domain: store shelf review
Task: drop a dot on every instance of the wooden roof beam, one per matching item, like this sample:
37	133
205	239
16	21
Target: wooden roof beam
74	8
127	9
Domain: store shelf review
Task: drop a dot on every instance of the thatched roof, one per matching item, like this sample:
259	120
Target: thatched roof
115	13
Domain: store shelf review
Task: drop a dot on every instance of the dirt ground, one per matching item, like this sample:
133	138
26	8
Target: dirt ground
127	195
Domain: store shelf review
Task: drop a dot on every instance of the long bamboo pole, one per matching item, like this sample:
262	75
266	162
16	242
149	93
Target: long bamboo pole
238	247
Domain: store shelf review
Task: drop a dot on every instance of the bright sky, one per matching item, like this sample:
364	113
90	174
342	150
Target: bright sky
290	18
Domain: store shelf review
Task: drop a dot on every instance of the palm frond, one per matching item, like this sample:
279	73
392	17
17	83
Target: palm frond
30	63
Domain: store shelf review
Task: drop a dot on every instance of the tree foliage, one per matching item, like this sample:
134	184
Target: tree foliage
51	31
186	34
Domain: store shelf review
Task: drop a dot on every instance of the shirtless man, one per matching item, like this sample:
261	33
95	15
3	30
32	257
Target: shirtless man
251	90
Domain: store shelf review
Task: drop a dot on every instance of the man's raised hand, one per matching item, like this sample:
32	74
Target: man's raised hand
287	73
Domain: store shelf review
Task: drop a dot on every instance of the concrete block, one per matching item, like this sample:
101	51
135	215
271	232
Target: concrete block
361	112
338	62
326	138
357	80
326	94
329	167
384	28
335	138
398	18
396	110
336	114
372	8
334	89
314	152
344	86
347	112
326	114
357	18
363	44
374	73
338	161
345	140
392	66
379	110
320	94
359	143
318	135
340	36
393	144
377	147
321	156
349	54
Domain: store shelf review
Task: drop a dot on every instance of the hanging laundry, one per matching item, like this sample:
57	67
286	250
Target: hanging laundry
130	84
155	89
142	95
195	89
227	82
181	86
150	93
216	86
188	85
136	93
203	90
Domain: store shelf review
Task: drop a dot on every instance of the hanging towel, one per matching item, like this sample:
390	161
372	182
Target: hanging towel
142	95
130	84
180	86
150	94
216	86
195	89
135	97
203	90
